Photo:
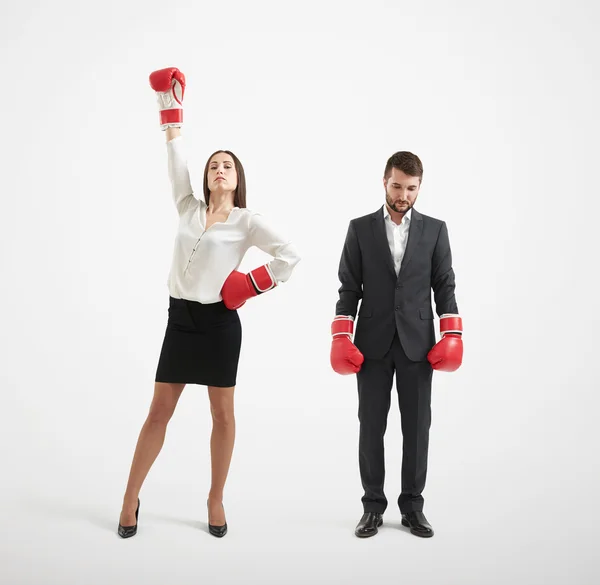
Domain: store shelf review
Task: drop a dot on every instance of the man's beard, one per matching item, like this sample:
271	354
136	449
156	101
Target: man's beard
398	206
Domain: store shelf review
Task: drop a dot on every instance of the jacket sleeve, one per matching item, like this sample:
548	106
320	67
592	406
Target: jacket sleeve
265	237
179	175
442	275
350	275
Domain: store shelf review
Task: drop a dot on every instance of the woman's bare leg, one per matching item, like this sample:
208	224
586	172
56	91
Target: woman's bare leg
221	449
150	442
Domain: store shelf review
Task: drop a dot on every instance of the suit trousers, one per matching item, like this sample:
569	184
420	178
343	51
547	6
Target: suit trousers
413	383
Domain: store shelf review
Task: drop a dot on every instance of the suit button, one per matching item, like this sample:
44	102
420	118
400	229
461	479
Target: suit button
398	286
397	308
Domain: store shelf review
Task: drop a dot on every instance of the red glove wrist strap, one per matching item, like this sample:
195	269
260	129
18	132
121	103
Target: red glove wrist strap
262	279
342	325
174	116
450	324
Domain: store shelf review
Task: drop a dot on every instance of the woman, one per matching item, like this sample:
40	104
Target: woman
203	335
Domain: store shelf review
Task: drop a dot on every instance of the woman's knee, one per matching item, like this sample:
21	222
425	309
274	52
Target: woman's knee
160	414
222	415
221	405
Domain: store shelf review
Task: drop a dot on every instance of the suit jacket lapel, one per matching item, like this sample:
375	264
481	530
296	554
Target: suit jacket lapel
414	235
380	236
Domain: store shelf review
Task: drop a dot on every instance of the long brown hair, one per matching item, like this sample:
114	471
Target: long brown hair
239	197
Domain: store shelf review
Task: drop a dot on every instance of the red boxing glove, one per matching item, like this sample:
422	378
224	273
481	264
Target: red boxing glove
239	287
345	357
446	355
169	85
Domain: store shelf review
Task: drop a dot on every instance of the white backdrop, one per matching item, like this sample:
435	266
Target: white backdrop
500	103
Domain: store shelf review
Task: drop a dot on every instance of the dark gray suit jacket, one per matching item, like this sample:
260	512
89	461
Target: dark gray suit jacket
391	303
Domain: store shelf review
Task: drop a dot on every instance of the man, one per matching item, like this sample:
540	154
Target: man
392	259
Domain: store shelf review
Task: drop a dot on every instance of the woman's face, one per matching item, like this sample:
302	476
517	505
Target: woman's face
222	175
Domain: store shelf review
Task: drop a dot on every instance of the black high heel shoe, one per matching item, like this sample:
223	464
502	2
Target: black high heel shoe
129	531
218	531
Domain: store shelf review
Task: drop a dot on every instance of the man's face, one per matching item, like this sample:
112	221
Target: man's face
401	190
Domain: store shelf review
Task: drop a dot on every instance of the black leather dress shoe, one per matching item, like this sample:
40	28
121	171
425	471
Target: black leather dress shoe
417	523
129	531
368	524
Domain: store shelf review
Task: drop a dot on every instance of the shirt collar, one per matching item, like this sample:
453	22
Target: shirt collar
405	219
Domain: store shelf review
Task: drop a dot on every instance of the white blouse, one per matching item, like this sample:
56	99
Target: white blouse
204	258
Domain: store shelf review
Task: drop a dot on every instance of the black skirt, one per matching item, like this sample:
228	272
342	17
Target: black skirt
201	345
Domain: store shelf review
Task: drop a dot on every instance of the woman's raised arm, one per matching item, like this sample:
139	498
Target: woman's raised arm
169	85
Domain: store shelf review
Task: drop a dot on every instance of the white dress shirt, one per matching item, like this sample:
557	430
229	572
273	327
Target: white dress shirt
204	258
397	236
